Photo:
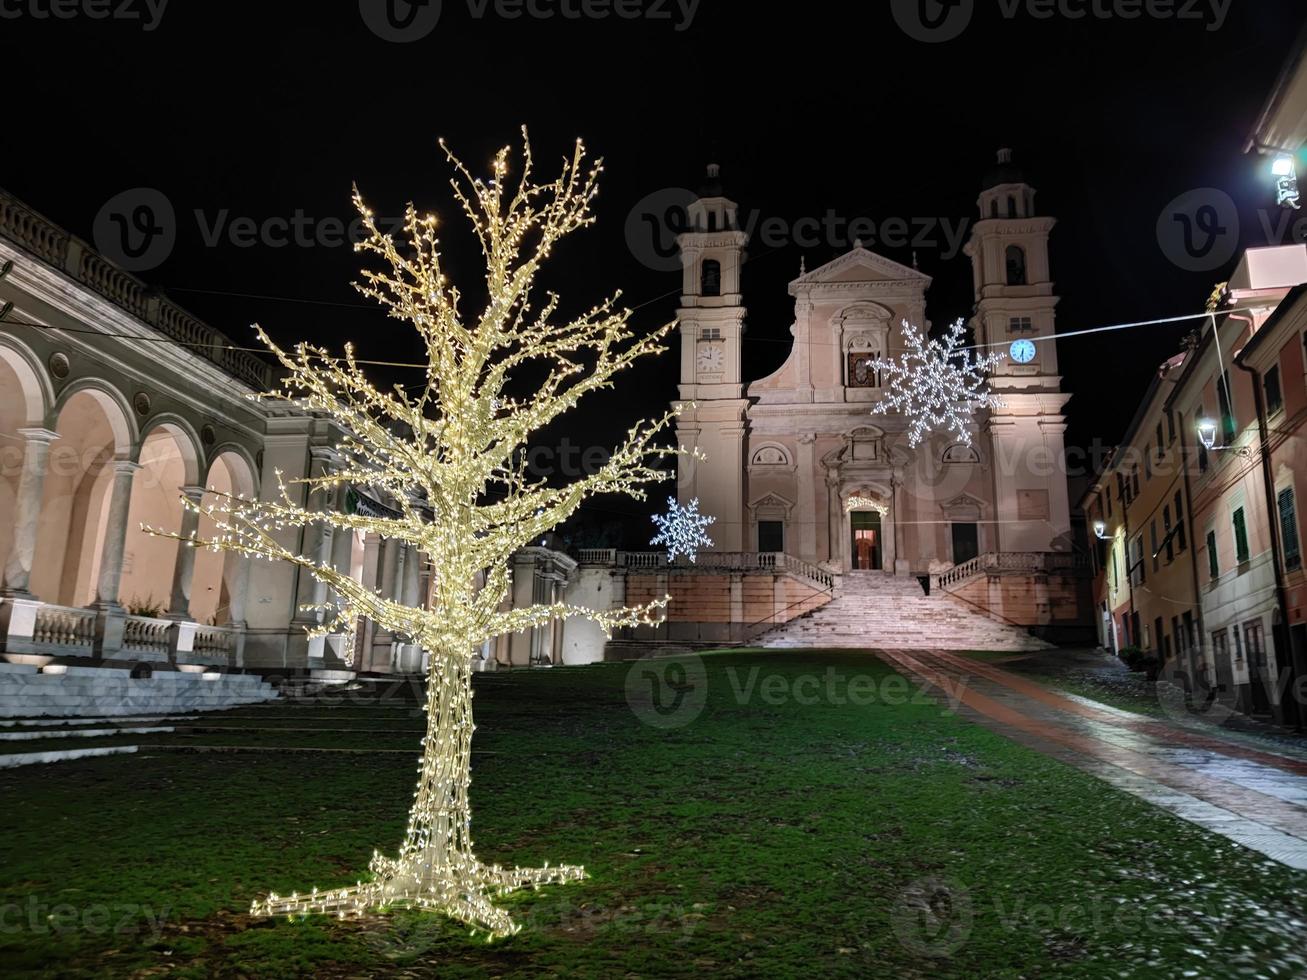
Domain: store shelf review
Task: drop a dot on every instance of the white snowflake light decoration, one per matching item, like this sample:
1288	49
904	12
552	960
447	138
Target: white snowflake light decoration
681	529
937	384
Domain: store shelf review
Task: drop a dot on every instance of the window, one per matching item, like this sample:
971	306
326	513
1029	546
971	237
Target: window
1181	543
1274	397
1170	428
1166	531
1152	544
1254	643
1227	407
1240	537
1158	634
1238	645
1135	479
1020	324
1213	565
711	333
1016	265
1289	529
1138	574
711	278
1160	441
1148	462
771	536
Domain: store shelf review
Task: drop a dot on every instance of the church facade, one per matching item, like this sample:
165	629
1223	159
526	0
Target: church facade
797	462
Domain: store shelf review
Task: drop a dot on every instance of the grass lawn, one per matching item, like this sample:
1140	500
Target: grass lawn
782	831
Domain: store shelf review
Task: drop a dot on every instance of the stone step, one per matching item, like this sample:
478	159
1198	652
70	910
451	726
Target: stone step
877	610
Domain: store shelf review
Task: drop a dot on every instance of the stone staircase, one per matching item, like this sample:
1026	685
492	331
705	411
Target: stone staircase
99	692
873	609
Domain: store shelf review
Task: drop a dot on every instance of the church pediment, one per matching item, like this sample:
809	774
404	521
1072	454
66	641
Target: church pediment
859	266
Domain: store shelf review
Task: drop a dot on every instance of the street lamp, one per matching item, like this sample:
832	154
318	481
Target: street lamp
1207	432
1100	530
1285	172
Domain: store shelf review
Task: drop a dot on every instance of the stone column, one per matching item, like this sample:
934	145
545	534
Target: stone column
806	544
834	524
27	509
183	569
316	544
238	584
115	534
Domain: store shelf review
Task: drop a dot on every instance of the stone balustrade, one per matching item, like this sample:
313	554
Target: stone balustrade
33	232
145	634
214	642
64	627
1006	562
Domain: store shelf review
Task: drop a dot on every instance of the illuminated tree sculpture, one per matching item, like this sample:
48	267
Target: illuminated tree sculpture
456	444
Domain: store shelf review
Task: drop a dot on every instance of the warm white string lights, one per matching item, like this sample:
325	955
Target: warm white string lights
682	529
450	457
938	385
865	503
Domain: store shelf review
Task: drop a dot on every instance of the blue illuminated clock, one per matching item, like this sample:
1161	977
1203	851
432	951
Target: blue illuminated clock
1022	351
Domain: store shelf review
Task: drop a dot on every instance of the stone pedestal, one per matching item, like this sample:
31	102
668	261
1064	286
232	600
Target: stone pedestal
17	623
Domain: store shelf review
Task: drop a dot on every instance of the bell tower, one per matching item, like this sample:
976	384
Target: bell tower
1015	314
711	320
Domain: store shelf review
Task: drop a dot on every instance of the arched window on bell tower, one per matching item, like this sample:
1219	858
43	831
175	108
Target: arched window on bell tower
710	281
1016	265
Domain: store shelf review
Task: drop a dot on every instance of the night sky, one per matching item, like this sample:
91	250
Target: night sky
259	111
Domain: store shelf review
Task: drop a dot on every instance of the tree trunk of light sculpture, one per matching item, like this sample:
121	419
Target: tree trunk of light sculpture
455	444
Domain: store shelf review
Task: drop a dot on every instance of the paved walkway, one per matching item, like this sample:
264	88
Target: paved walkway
1254	797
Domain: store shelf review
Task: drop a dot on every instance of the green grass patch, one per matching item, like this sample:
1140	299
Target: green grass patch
815	816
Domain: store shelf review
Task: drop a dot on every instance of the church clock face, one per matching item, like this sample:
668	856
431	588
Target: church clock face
1022	351
711	358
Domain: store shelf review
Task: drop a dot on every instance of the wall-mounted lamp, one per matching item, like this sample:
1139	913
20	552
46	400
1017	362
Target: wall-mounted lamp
1207	432
1100	530
1285	172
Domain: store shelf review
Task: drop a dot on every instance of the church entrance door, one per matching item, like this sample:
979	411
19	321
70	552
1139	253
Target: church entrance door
867	545
966	542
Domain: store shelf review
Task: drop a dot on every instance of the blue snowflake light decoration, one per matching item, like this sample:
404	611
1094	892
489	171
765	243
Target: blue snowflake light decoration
681	529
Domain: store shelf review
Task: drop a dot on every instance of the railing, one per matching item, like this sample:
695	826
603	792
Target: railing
642	559
1032	562
213	640
146	634
728	561
959	573
64	627
806	569
50	243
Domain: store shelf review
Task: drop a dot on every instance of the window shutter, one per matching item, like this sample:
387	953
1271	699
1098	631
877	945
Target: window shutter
1240	537
1289	528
